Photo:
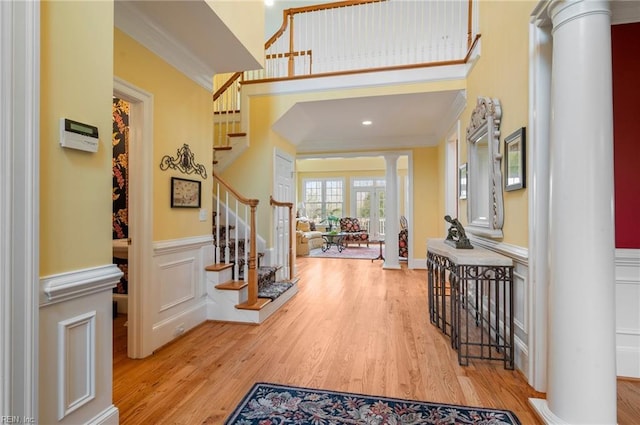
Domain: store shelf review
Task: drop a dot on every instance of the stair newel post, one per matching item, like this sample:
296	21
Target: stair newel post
291	240
216	223
253	272
247	241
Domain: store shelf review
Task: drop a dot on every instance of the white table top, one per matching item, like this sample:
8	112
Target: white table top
477	256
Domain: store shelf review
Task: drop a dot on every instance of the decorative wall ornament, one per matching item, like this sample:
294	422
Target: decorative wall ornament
184	162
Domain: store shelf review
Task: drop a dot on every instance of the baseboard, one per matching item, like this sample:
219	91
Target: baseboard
109	416
171	328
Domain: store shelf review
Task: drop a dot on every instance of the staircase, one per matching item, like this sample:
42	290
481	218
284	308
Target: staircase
229	298
239	289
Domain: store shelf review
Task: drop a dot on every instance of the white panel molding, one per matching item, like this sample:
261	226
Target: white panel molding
78	283
190	265
181	245
627	339
76	363
19	206
179	307
520	282
138	26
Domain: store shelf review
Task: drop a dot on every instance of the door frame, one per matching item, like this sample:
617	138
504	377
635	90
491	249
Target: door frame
19	207
139	332
290	197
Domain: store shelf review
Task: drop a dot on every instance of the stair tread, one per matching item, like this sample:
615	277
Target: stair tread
232	285
259	305
218	267
236	134
222	148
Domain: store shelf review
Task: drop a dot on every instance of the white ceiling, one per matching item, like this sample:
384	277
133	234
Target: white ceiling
398	121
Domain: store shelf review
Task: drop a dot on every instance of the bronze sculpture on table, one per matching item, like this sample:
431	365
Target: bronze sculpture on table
456	236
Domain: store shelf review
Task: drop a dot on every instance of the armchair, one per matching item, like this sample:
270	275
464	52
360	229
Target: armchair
355	234
403	239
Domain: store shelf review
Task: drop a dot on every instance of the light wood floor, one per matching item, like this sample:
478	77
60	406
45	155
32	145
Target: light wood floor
351	327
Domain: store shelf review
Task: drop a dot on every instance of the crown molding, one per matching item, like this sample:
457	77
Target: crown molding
137	25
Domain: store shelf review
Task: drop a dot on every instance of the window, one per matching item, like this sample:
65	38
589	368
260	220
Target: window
323	197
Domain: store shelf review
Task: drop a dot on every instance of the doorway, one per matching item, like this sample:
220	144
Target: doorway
283	192
140	216
369	202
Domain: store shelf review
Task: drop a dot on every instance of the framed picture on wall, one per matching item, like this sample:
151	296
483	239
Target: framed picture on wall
515	160
185	193
462	181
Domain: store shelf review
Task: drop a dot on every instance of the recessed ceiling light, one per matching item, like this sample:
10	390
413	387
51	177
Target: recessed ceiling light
367	122
268	2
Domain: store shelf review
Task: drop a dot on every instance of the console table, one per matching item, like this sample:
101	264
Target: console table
471	301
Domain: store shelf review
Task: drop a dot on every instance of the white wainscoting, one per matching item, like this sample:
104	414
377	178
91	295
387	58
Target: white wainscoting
177	298
75	352
628	312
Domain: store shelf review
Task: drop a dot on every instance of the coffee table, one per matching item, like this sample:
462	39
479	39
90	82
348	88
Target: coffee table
335	239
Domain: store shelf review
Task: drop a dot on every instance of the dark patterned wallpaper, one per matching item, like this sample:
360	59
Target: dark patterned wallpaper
120	141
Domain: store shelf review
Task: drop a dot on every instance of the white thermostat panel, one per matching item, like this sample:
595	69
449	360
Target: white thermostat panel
76	135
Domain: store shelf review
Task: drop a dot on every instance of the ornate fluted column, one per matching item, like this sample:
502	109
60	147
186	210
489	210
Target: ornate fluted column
391	255
581	375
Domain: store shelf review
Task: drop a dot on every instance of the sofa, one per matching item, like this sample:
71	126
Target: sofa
354	233
307	237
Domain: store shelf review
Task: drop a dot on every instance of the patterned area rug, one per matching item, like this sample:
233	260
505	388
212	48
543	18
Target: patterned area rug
271	404
352	251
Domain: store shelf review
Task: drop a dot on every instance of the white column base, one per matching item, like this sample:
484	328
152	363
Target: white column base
541	408
388	266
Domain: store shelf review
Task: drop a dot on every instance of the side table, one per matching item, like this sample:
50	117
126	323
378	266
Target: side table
474	306
380	256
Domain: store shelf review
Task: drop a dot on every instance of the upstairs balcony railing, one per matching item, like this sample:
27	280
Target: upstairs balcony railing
356	36
353	36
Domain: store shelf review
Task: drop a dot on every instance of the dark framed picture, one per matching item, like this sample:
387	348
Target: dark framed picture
185	193
515	160
462	181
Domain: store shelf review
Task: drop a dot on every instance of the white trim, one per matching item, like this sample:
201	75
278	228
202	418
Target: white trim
171	246
518	253
109	416
71	380
140	207
19	206
541	408
78	283
364	79
627	263
540	51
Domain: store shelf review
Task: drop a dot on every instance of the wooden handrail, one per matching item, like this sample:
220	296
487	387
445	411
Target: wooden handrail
226	85
242	199
304	9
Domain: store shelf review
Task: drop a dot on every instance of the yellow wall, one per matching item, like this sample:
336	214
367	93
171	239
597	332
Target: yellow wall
258	182
182	113
427	217
502	73
75	186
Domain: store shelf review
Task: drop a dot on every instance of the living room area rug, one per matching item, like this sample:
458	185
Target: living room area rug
362	252
271	404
